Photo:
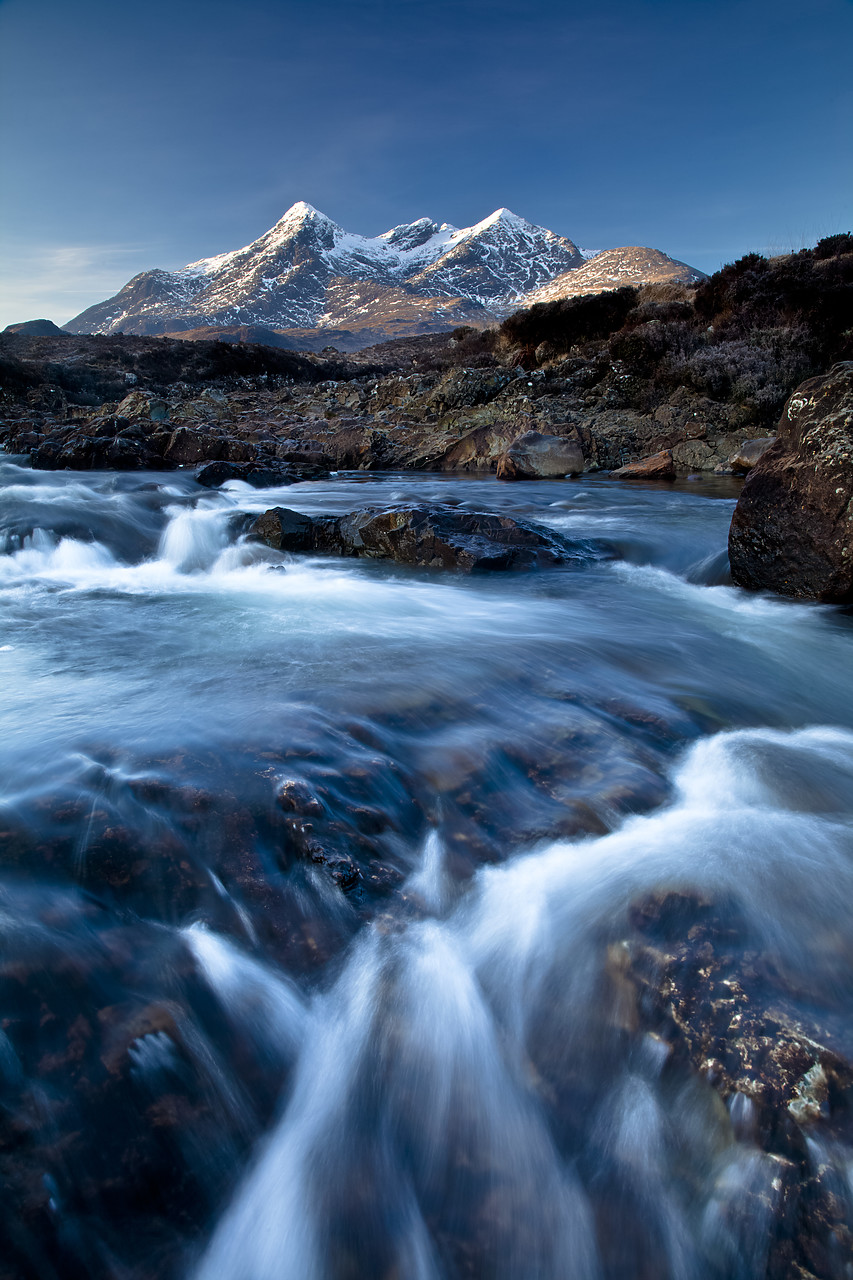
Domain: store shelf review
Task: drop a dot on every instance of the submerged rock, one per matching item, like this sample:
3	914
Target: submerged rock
534	456
692	979
792	529
436	537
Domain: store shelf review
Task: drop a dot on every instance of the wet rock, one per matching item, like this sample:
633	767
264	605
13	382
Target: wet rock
260	475
74	451
691	977
660	466
745	457
305	455
238	451
792	529
534	456
435	537
284	530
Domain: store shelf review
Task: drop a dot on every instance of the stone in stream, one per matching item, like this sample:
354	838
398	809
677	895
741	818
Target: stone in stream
659	466
692	978
745	457
534	456
260	475
792	530
436	537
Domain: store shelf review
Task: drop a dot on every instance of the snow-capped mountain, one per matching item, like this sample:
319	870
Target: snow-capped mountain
308	273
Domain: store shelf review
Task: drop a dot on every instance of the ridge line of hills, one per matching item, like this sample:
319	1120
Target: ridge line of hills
308	283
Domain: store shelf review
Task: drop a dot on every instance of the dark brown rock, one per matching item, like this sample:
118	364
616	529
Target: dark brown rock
260	475
74	451
193	446
305	455
659	466
792	529
689	978
534	456
435	537
284	530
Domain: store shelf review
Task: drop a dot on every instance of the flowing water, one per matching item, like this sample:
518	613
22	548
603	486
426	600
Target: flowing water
312	873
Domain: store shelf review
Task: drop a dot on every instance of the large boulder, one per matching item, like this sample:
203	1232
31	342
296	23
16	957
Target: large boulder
436	537
534	456
792	529
139	405
305	455
463	388
77	451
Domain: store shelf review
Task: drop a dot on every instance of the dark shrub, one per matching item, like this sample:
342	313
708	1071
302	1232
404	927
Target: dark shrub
569	321
833	246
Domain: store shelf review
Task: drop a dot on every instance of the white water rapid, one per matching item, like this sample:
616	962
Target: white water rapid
370	923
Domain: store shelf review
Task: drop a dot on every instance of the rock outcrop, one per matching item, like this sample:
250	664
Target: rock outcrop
433	537
534	456
792	530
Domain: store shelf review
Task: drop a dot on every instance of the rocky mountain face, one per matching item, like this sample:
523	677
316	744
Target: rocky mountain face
309	281
614	269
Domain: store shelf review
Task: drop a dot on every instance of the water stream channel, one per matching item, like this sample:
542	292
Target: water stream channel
313	872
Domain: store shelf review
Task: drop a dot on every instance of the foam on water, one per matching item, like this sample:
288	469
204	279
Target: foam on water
455	1095
419	1066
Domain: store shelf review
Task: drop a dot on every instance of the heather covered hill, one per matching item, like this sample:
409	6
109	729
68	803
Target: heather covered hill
745	336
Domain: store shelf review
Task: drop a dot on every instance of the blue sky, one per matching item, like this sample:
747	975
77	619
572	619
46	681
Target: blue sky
135	135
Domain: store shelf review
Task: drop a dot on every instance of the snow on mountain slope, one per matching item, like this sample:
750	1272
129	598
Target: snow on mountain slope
613	269
308	272
497	261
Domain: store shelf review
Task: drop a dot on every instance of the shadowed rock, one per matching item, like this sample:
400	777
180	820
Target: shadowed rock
259	475
792	529
435	537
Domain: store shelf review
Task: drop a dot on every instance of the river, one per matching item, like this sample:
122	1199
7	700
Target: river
312	871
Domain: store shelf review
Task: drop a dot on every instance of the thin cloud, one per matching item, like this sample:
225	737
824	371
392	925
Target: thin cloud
58	281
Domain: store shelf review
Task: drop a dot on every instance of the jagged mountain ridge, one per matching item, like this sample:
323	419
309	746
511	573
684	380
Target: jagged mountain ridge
308	273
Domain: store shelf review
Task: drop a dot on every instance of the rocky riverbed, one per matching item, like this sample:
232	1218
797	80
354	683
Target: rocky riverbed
405	405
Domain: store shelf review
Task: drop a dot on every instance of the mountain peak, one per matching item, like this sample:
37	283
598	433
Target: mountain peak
306	273
300	213
503	216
